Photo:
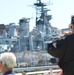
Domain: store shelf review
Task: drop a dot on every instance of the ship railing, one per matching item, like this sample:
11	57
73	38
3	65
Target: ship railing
42	70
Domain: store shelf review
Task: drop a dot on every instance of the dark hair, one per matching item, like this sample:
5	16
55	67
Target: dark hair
72	20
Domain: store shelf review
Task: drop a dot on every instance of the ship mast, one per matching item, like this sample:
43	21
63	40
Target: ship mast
39	12
42	18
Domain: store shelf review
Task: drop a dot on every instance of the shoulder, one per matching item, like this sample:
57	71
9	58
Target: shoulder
70	36
10	74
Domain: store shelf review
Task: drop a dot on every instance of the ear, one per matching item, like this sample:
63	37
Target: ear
71	27
0	64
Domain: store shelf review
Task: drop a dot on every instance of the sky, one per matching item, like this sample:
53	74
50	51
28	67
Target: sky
11	11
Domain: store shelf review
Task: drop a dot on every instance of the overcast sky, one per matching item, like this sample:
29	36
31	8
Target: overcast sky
13	10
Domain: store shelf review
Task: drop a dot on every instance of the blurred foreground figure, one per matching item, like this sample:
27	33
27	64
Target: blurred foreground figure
7	63
64	50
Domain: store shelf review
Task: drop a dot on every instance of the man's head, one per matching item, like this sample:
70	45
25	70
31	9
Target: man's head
7	61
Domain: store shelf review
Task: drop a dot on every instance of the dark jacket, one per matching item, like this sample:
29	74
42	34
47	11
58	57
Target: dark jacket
9	73
66	44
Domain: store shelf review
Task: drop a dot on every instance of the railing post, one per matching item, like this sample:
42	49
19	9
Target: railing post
51	72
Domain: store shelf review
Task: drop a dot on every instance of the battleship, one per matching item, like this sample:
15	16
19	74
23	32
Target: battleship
30	46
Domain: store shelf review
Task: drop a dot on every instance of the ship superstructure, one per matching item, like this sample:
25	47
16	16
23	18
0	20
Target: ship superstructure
30	47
